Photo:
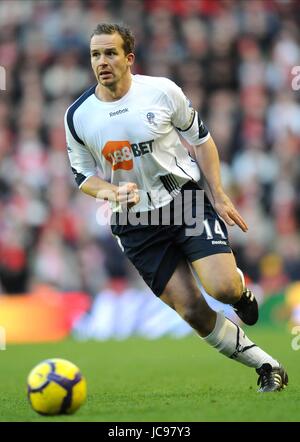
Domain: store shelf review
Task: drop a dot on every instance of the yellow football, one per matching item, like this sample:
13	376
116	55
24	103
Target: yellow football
56	386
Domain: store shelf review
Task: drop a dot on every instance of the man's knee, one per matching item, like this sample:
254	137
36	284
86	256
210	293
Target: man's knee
228	292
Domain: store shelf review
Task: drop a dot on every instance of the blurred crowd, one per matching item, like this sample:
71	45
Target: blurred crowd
232	58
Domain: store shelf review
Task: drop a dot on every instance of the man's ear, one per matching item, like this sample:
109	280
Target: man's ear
130	59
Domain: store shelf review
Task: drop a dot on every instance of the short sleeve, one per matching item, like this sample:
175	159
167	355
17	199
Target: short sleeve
82	162
185	118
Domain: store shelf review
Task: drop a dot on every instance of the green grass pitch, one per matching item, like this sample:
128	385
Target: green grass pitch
164	380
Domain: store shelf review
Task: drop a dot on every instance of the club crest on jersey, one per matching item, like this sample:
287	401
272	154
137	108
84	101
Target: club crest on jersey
150	117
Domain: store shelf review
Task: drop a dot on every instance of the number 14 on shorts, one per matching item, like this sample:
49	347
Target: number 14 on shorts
216	228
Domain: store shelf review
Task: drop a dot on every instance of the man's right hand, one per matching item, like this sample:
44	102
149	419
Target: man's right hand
128	195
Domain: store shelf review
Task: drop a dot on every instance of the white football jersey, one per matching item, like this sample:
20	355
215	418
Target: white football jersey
136	139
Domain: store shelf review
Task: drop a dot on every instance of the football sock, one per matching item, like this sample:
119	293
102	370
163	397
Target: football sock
230	340
242	278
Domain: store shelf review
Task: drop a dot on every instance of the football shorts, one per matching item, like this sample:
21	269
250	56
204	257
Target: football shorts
156	249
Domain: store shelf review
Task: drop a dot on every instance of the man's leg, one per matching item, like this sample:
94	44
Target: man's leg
223	281
182	294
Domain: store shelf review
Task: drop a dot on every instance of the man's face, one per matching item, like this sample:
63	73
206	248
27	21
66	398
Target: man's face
108	59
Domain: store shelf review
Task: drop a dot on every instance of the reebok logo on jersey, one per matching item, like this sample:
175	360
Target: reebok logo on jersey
120	153
118	112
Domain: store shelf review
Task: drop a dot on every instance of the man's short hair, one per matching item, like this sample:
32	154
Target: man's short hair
111	28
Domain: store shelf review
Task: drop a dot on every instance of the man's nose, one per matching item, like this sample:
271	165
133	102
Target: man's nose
102	60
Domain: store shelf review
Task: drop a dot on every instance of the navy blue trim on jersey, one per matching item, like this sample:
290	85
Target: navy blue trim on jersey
170	184
192	159
184	130
150	202
79	177
183	169
203	131
72	109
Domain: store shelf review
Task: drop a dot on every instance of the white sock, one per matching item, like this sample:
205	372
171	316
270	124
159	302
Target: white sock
230	340
242	277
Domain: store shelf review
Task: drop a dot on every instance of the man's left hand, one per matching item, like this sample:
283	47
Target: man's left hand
228	212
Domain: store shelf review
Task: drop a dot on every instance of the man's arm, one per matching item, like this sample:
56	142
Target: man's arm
208	159
84	168
126	195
